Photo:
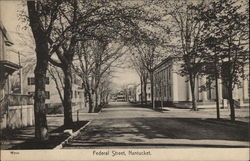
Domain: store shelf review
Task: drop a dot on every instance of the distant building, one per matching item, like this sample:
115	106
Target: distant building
174	90
121	96
138	93
131	92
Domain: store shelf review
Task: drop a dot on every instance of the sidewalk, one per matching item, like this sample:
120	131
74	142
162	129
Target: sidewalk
242	114
23	138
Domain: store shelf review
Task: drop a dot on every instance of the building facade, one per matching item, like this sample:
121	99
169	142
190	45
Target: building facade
53	100
172	89
139	92
16	109
8	60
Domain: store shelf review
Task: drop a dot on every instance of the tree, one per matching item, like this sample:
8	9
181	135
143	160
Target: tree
110	21
188	30
227	37
57	77
64	40
95	60
41	23
149	57
105	87
57	27
143	74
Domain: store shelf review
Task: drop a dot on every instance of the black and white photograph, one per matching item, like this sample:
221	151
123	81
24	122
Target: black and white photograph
124	80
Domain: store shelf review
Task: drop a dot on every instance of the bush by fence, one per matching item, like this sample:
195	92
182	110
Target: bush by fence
18	99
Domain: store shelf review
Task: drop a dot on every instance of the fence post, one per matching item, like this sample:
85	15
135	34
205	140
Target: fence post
21	114
7	113
78	115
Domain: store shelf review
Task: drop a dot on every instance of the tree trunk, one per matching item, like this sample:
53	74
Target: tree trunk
90	102
93	101
42	52
145	91
67	102
85	98
162	95
101	97
141	91
192	85
152	89
217	98
88	94
107	99
96	100
41	128
231	102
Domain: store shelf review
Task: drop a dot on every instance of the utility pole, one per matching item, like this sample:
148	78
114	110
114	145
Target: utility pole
20	73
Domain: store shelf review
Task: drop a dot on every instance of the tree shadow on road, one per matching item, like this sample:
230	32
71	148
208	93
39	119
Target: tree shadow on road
193	129
24	138
134	132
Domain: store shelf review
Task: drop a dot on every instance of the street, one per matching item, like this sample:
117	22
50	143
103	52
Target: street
126	125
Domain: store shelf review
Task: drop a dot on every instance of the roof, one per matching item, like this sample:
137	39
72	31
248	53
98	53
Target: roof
164	61
8	40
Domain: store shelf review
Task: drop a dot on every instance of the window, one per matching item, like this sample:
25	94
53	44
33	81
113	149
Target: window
165	91
75	94
47	95
166	74
169	74
47	80
31	80
31	93
170	92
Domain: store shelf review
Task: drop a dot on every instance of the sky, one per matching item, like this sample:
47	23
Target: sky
125	76
9	16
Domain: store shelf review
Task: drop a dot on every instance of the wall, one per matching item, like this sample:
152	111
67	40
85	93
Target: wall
182	88
2	49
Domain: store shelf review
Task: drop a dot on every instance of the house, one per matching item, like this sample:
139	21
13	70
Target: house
16	109
53	101
8	60
121	96
172	89
139	91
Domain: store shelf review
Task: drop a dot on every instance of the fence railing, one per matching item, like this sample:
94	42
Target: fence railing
3	105
17	111
18	99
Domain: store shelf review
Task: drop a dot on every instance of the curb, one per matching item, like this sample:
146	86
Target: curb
61	115
60	146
